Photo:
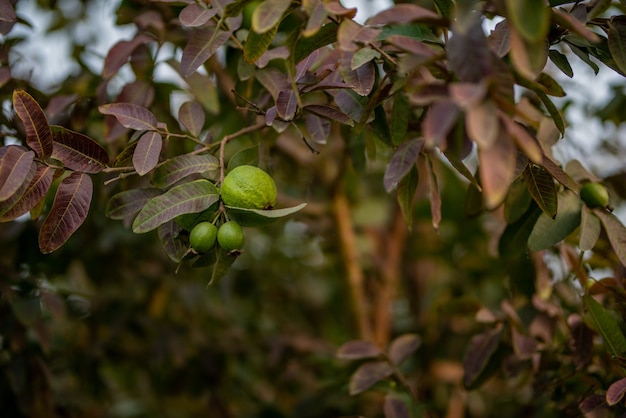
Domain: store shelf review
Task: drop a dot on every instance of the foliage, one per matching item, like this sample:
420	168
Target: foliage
428	255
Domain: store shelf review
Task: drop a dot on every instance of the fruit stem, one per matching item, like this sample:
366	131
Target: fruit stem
234	135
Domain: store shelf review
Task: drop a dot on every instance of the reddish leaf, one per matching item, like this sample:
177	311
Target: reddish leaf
195	15
268	14
126	205
140	93
38	135
181	166
36	190
616	233
191	197
192	117
357	350
335	8
469	54
7	13
119	54
497	170
78	152
558	173
317	16
481	349
524	346
401	162
367	375
317	128
273	80
435	195
403	347
406	13
525	141
131	115
395	407
330	113
500	39
351	35
16	170
201	46
286	104
69	210
147	152
303	66
439	121
361	79
482	124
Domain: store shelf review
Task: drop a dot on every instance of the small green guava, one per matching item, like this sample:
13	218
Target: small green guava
594	195
230	236
203	236
249	187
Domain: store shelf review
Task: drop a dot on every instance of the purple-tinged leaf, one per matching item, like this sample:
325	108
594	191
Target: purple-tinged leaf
191	197
406	13
169	235
78	152
273	80
524	346
558	173
317	16
439	121
271	120
131	115
38	135
138	92
468	95
195	15
616	233
120	53
499	39
303	66
524	140
469	55
402	347
286	104
615	392
401	162
435	194
333	7
147	152
412	45
181	166
5	75
36	190
268	14
278	53
541	187
358	350
349	103
481	349
7	12
317	128
192	117
367	375
127	204
594	405
69	210
351	35
590	229
395	407
581	341
16	170
330	113
497	170
257	43
482	123
361	79
201	46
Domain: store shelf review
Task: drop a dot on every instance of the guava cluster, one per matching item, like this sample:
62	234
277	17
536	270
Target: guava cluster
246	187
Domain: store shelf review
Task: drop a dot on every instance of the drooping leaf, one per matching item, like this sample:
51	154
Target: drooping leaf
367	375
497	170
480	351
194	15
330	113
402	347
572	22
268	14
16	165
435	194
257	43
561	61
147	152
68	211
439	121
38	134
169	235
529	57
617	42
201	45
590	229
530	18
406	194
317	16
219	262
615	231
32	194
273	80
550	85
181	166
542	189
259	217
482	123
401	162
517	201
515	235
317	128
616	391
358	350
399	121
524	140
120	53
192	117
78	152
191	197
131	115
548	231
606	324
286	104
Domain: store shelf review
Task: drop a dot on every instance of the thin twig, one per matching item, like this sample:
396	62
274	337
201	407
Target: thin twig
232	136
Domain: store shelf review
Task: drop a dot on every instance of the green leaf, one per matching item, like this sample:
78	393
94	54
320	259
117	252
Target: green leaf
219	262
517	201
191	197
541	186
406	194
515	235
399	121
615	231
362	57
306	45
590	229
259	217
617	42
530	18
561	61
607	325
245	156
268	14
547	231
257	43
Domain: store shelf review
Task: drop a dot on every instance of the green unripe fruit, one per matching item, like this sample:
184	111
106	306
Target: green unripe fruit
594	195
248	187
230	236
203	236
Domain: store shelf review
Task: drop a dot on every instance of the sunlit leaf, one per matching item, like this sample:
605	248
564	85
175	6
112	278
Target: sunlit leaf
16	170
181	166
268	14
480	351
38	134
147	152
78	152
32	194
616	391
615	231
191	197
367	375
590	229
68	211
260	217
358	350
541	186
201	45
401	162
497	170
131	115
192	117
548	231
604	322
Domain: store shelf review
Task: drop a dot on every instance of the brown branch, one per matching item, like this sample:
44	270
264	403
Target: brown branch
232	136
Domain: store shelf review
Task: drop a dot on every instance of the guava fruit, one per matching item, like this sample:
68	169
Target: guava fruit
248	187
230	236
594	195
203	236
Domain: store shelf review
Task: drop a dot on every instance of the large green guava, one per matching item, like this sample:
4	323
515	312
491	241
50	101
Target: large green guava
249	187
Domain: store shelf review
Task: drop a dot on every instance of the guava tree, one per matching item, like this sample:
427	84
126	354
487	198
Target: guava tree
416	232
